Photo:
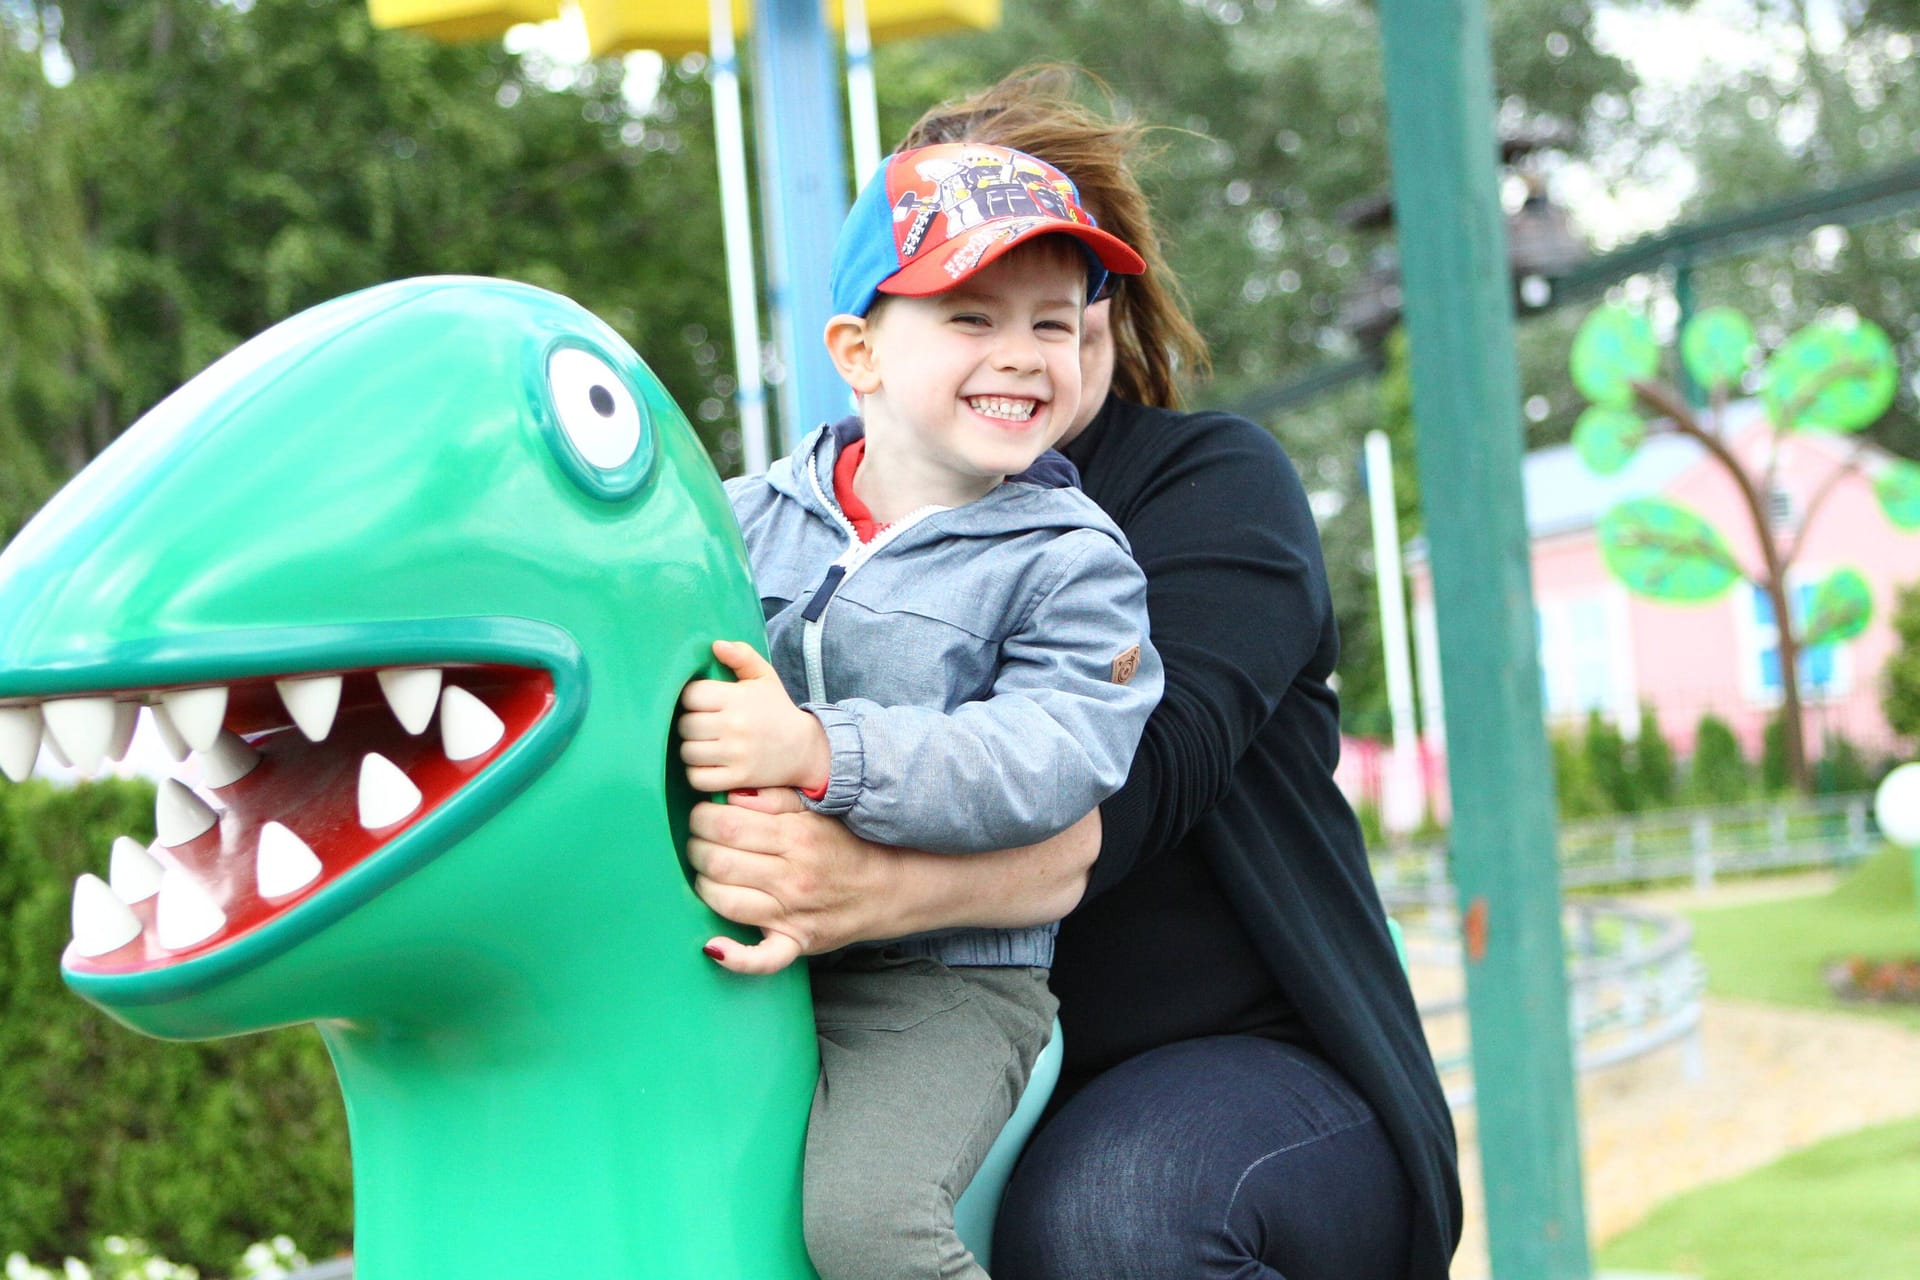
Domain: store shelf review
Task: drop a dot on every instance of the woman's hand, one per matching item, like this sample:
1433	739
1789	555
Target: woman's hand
746	732
767	861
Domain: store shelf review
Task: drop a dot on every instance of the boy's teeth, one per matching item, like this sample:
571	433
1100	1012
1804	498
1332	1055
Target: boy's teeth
1002	407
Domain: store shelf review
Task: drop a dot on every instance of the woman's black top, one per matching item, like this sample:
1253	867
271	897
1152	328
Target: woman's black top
1232	891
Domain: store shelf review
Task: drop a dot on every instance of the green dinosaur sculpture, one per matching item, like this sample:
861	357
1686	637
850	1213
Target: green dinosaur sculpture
452	499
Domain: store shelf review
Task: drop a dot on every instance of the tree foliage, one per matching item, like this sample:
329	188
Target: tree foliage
1653	771
199	1149
1718	772
1900	677
210	168
1609	764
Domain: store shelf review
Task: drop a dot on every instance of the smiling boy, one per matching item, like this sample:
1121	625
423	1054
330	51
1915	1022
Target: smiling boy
964	636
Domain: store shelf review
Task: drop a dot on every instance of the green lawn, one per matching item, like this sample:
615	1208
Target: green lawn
1847	1209
1775	951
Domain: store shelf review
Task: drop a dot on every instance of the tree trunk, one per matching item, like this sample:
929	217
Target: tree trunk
1792	723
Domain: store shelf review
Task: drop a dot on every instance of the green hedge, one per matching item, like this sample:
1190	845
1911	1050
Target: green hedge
199	1149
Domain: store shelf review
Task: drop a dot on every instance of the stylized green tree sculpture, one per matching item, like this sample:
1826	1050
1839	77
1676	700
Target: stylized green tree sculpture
1837	378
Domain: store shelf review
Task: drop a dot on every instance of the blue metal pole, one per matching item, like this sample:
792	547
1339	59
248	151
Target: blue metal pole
799	137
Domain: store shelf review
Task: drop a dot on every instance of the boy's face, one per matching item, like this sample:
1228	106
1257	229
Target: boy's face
977	382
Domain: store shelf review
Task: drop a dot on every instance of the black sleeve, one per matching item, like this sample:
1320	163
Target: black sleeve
1238	605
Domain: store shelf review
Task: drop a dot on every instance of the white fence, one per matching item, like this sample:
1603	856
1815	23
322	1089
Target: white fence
1697	845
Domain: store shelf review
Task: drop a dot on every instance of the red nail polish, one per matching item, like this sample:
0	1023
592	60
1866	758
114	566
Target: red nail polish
746	791
714	952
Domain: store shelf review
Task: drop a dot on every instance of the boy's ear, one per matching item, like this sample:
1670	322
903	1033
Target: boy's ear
850	344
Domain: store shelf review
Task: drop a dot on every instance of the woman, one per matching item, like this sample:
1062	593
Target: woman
1247	1091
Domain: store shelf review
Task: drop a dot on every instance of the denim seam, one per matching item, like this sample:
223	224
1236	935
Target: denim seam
1227	1216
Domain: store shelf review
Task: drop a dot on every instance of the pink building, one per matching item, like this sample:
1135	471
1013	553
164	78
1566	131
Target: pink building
1604	648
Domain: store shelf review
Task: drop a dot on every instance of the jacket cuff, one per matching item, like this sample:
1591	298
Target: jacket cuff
848	771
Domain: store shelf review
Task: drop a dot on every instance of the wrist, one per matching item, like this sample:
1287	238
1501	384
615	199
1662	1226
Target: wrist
813	768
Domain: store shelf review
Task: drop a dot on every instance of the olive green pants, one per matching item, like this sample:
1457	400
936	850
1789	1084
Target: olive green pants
920	1066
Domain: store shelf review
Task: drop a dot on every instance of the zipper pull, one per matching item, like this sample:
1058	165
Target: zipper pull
828	585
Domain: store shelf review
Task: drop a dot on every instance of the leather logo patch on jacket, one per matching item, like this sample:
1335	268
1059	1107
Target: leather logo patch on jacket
1125	664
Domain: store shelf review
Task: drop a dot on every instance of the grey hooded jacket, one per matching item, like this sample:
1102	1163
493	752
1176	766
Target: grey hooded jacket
974	666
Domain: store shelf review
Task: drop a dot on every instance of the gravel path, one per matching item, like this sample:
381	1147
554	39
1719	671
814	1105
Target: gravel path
1770	1080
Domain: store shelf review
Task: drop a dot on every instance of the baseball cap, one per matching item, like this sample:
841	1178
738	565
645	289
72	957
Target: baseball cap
932	216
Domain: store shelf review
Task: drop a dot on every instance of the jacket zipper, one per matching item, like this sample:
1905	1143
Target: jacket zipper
844	566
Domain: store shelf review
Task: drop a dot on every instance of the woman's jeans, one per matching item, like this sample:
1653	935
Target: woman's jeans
1231	1156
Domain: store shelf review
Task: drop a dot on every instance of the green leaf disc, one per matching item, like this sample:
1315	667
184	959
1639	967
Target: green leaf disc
1832	378
1613	350
1898	488
1842	607
1664	550
1716	346
1606	438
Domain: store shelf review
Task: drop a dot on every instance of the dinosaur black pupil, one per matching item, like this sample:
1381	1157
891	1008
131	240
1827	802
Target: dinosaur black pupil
602	401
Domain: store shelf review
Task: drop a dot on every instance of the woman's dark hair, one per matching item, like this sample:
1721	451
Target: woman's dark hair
1035	110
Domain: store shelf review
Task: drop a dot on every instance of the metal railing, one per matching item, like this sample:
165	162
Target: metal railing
1634	985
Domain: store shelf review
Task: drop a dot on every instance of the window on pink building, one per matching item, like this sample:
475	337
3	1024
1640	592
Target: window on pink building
1823	668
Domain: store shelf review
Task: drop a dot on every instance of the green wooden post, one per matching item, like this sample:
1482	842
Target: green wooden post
1459	314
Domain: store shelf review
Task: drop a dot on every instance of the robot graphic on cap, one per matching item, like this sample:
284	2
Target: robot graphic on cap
977	184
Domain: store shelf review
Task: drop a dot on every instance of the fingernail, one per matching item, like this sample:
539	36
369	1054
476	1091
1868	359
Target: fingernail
746	791
714	952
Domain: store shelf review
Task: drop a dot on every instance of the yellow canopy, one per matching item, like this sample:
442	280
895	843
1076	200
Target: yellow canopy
670	27
454	21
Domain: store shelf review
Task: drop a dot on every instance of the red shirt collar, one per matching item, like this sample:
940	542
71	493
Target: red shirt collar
858	512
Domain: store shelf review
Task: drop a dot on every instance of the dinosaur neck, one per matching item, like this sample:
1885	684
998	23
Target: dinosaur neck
567	1140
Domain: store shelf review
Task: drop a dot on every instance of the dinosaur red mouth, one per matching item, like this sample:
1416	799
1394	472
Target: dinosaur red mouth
301	778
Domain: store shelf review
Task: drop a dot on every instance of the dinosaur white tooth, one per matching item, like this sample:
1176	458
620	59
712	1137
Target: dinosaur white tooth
53	750
126	718
386	794
284	863
197	713
83	727
19	740
468	727
101	922
312	702
186	912
180	816
133	872
230	760
412	692
169	735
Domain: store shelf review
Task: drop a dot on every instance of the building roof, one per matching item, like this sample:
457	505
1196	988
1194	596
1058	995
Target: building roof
1564	494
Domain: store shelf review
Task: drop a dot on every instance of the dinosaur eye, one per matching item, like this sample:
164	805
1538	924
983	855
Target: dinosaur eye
597	413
